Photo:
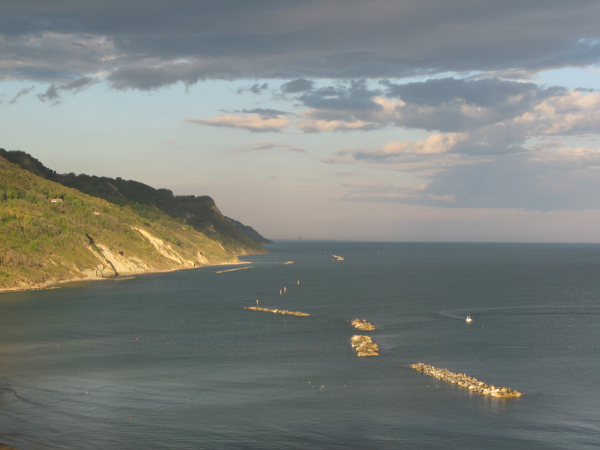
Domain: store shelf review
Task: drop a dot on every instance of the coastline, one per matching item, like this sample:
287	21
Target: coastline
55	284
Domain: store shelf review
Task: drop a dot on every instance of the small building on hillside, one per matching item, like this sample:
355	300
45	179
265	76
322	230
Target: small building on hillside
56	200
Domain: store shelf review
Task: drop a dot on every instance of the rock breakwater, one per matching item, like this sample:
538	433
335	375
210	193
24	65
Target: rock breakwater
233	270
277	311
362	325
464	381
364	345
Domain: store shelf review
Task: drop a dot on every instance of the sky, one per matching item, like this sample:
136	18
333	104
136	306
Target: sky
370	120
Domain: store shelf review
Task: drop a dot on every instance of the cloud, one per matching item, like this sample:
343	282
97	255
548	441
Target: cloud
180	41
567	180
268	146
256	88
561	179
146	76
399	151
498	116
254	122
297	85
265	112
52	56
54	92
20	94
504	152
480	92
387	193
316	126
356	96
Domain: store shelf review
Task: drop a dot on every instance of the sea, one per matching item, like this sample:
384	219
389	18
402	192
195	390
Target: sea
174	361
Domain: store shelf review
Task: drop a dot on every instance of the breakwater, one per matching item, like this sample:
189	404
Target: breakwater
364	345
277	311
464	381
233	270
362	325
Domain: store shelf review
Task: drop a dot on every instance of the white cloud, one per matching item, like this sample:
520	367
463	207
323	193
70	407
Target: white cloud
315	126
250	122
268	146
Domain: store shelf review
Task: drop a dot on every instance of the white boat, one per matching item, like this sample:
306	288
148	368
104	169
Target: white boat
468	319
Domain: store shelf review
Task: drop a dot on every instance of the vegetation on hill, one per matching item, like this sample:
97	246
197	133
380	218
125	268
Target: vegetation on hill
200	212
249	231
50	232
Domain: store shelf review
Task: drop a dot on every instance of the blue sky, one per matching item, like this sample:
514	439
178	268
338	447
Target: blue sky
371	120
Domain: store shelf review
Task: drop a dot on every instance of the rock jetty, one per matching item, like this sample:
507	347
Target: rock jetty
277	311
464	381
364	345
233	270
362	325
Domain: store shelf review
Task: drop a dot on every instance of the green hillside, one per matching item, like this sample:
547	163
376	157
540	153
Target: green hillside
249	231
79	236
199	212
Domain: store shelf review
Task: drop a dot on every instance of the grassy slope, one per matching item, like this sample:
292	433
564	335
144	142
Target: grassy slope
43	242
199	212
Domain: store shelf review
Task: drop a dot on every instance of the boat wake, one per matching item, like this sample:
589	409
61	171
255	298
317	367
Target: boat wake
460	314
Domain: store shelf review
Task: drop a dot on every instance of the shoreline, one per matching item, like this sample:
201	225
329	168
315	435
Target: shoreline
55	284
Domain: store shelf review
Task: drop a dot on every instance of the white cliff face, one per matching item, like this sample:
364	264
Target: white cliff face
165	249
113	263
122	263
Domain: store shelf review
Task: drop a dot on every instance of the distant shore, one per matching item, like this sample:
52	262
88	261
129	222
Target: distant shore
54	284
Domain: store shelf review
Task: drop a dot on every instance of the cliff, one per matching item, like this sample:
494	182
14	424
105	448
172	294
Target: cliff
200	212
51	233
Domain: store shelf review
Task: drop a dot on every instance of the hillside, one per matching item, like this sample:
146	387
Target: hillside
78	236
199	212
249	231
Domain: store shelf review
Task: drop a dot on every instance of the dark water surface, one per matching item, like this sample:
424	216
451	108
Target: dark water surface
172	361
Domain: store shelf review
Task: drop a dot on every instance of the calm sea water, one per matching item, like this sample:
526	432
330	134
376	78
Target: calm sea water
173	361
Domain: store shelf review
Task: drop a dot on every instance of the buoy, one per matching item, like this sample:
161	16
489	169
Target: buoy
257	302
298	282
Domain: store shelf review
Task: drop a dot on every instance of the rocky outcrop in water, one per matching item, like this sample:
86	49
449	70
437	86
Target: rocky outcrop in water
364	345
362	325
464	381
277	311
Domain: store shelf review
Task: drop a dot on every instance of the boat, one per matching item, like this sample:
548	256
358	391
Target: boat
468	319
